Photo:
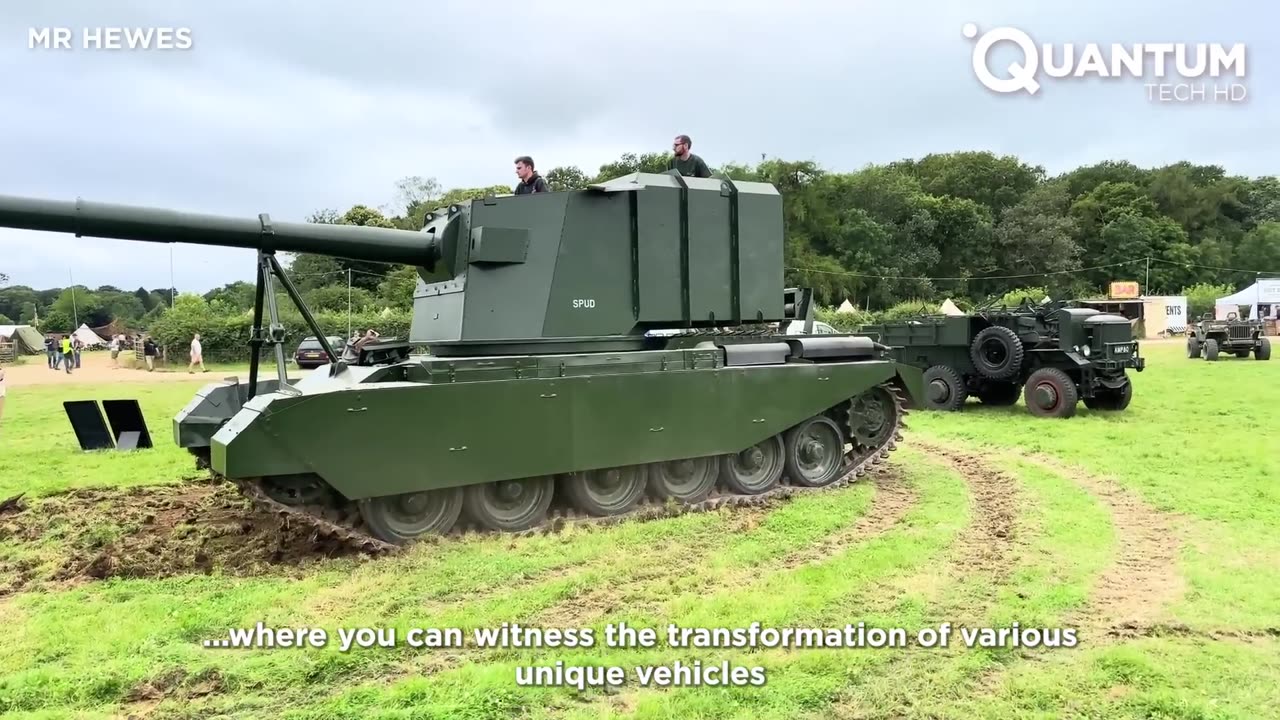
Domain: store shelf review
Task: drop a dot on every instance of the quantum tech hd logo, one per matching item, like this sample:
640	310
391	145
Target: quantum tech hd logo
1174	72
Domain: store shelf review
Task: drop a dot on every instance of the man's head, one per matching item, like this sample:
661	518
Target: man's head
524	167
682	146
197	337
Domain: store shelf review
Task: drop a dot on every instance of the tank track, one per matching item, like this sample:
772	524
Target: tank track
345	524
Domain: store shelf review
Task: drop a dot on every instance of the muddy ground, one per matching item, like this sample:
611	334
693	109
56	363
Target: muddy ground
203	526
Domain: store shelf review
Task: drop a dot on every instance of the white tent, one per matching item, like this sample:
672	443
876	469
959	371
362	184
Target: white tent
949	308
1263	292
846	307
88	337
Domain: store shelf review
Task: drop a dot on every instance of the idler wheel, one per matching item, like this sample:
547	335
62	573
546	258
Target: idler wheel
609	491
510	505
815	452
688	481
756	469
401	518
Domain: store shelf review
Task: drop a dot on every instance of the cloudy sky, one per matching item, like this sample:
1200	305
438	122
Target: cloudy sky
286	107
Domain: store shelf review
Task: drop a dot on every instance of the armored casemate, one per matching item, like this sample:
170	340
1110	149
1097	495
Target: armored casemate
579	352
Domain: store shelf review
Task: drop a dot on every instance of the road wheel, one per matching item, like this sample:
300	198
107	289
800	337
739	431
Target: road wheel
510	505
609	491
401	518
997	353
1050	392
1263	351
815	452
689	480
1193	347
756	469
944	389
1211	350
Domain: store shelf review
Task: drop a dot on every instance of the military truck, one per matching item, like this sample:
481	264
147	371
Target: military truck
1053	355
1232	335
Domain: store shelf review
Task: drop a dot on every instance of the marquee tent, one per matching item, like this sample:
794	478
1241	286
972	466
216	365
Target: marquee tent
88	337
1266	291
25	338
846	307
949	308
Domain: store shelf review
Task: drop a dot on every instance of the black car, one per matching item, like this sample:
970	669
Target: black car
310	353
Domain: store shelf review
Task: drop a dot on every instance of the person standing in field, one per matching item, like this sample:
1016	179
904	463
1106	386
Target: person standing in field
115	351
197	355
67	358
149	350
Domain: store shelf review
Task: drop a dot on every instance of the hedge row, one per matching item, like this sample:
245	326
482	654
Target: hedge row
226	338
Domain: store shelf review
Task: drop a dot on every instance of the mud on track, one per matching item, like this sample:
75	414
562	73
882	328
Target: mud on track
150	531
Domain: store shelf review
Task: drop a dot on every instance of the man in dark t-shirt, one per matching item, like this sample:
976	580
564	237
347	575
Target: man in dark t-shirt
688	164
530	180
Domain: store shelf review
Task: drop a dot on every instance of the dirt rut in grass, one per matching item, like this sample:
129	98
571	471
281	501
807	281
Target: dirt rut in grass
1143	579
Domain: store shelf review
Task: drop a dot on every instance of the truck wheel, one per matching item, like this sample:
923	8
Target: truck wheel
1211	350
1050	392
944	389
1193	347
997	353
999	394
1263	351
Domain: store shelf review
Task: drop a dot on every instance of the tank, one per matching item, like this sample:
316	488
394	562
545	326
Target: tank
593	355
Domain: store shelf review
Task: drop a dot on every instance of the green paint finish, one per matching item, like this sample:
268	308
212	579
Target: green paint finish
396	437
640	252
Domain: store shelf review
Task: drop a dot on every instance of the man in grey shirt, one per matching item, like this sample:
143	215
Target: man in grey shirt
688	164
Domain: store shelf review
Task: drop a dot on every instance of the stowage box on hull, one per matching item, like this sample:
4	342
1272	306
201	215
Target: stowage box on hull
439	423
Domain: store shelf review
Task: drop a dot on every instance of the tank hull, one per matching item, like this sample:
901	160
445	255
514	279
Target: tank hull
388	435
693	428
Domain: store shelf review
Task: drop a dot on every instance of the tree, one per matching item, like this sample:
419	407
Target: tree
995	182
1036	235
566	178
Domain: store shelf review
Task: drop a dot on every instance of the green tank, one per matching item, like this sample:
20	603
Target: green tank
593	355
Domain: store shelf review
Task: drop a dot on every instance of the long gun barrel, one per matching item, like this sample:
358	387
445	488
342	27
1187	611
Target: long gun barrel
124	222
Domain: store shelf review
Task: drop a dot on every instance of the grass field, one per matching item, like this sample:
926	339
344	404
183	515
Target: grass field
1154	534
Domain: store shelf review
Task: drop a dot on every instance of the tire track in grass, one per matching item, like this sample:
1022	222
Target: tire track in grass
980	558
633	588
1135	587
989	546
1143	580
